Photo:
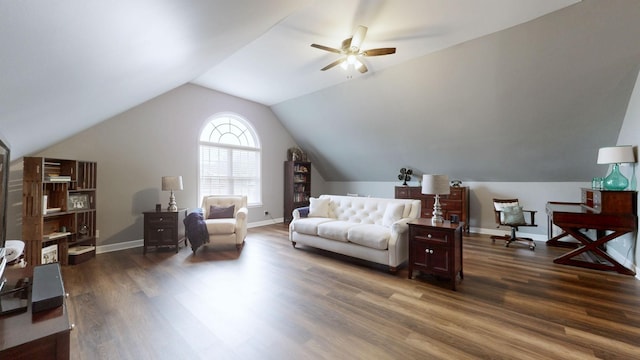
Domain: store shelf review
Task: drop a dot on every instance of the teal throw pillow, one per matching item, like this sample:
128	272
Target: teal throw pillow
513	215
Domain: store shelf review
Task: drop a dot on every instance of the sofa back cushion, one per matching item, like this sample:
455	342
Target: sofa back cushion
366	210
318	207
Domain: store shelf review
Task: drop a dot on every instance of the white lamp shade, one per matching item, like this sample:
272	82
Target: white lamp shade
435	184
616	155
170	183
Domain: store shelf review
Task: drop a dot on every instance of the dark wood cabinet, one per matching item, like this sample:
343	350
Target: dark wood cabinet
297	186
435	249
456	203
34	335
58	210
164	228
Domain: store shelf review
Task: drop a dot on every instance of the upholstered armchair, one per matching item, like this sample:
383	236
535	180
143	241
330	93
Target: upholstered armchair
226	219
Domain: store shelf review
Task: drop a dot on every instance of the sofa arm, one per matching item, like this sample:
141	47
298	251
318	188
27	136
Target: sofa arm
399	242
301	212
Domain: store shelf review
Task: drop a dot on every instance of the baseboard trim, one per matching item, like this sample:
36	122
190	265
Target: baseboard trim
139	243
536	237
484	231
119	246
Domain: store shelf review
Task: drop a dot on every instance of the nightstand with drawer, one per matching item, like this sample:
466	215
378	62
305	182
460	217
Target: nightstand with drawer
435	249
164	228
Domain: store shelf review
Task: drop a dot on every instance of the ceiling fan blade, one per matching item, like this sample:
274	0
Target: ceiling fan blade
358	37
346	44
337	62
363	68
326	48
378	52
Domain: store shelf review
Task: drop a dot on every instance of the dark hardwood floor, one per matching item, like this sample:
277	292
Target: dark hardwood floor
272	301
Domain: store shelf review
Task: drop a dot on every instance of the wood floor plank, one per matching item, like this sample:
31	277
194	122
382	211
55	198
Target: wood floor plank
273	301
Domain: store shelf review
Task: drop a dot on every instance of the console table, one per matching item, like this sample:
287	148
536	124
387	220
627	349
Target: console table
611	213
28	335
456	203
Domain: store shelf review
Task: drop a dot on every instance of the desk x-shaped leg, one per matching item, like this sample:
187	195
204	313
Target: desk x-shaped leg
594	246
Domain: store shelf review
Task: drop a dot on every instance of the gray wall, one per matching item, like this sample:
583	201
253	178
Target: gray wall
630	135
136	148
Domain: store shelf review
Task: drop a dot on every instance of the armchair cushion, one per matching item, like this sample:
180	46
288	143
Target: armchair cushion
221	212
221	226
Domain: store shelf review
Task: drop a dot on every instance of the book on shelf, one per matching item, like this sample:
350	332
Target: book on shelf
60	178
81	249
56	235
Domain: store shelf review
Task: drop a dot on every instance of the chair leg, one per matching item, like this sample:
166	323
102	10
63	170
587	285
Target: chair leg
513	238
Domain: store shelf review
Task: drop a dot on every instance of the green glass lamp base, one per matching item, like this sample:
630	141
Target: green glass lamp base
615	180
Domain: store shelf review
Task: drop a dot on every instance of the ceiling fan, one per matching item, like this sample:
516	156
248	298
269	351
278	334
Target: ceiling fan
351	50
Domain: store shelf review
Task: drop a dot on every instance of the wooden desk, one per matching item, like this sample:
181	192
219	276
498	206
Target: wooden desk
43	335
610	220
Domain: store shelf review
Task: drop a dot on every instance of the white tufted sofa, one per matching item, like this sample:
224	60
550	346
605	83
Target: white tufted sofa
373	229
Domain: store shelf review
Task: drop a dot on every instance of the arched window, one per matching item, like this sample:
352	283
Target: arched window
230	159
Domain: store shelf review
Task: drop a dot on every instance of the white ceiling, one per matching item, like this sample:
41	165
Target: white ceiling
280	64
70	64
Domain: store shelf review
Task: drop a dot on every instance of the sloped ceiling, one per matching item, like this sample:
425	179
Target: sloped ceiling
70	64
532	102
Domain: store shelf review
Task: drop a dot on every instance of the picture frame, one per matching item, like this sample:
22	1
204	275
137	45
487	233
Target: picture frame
78	202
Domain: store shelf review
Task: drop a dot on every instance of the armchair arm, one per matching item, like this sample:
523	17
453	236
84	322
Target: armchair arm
241	223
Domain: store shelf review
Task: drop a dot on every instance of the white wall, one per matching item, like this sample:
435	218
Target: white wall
136	148
533	196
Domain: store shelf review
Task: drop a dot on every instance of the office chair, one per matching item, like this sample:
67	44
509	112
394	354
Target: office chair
508	212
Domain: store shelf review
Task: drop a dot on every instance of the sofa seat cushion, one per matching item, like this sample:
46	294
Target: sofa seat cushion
309	226
335	230
370	235
221	226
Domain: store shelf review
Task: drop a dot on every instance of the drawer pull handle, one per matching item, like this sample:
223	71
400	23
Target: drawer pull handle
428	251
160	230
161	219
429	236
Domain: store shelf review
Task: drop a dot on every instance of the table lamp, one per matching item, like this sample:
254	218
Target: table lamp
616	155
171	183
436	185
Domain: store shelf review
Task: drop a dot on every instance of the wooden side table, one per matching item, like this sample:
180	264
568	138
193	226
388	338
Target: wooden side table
164	228
436	249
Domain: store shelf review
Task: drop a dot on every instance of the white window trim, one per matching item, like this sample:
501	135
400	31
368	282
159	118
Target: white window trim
258	149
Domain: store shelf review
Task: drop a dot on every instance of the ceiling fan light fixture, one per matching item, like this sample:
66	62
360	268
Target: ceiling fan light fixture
351	52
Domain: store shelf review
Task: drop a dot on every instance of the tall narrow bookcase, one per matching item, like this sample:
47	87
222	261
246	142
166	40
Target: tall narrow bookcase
297	186
58	210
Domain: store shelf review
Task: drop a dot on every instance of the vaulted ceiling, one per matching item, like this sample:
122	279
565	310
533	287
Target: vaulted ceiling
503	90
